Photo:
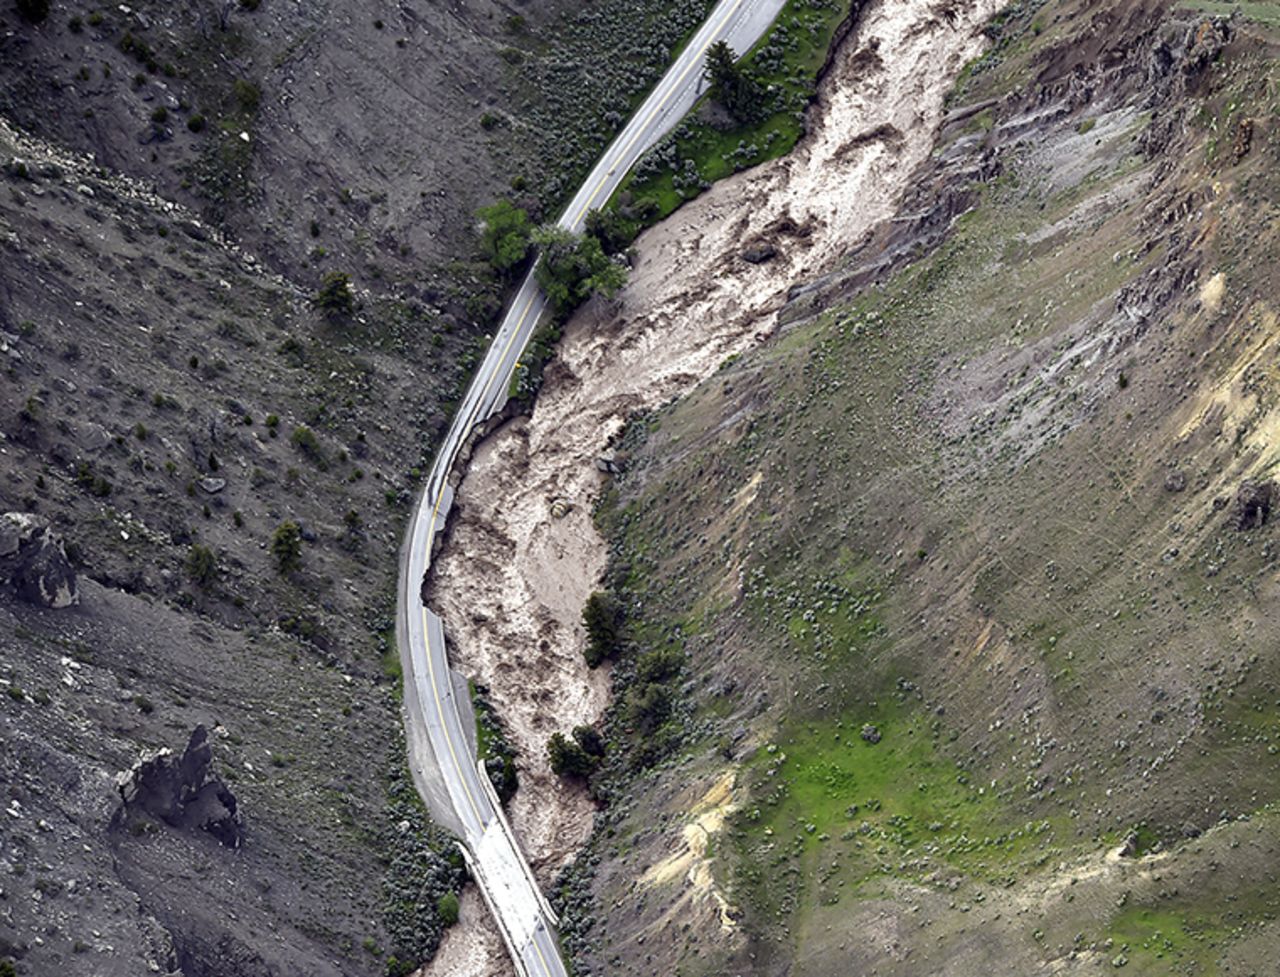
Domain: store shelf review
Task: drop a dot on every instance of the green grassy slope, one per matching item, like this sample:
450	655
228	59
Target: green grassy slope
990	505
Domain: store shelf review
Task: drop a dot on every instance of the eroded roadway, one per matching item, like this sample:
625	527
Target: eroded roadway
441	740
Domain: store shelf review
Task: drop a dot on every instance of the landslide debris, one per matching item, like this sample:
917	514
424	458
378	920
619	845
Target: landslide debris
513	577
999	488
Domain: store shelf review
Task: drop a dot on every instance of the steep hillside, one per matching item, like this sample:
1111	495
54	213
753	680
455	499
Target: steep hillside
209	443
351	134
168	407
951	606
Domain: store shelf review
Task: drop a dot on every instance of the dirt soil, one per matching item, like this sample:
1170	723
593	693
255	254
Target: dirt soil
512	579
473	947
1000	490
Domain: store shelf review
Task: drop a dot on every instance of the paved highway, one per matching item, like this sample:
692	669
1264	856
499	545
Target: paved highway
441	741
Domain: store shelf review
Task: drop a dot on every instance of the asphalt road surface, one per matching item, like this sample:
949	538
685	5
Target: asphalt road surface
438	715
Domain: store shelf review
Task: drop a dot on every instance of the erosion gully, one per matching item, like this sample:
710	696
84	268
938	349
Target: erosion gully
512	578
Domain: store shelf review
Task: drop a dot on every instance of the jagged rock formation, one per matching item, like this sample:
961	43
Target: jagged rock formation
184	792
34	562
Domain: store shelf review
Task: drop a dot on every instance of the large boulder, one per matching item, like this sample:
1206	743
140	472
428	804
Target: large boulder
183	791
1253	504
34	562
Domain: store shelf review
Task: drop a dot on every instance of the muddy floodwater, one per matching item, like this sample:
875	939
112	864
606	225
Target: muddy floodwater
512	578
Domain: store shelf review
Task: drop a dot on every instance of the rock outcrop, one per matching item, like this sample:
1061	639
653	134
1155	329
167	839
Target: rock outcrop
183	791
1253	504
34	562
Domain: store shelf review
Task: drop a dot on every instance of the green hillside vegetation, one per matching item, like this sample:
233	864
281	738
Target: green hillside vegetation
988	505
705	147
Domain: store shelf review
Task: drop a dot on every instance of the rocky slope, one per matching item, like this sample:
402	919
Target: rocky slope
969	570
204	475
516	569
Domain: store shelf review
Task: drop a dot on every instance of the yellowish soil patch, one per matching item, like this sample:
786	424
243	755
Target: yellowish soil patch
691	862
1211	293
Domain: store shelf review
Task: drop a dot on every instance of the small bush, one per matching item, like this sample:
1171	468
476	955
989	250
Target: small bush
305	440
648	707
34	10
447	906
335	296
247	95
286	546
661	665
201	565
96	484
197	123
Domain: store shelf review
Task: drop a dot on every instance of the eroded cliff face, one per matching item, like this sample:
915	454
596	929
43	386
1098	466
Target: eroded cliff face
971	566
965	546
514	573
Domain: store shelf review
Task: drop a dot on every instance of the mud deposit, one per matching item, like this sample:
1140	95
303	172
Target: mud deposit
511	580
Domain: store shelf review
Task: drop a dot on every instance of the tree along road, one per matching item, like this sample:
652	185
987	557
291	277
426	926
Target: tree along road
438	717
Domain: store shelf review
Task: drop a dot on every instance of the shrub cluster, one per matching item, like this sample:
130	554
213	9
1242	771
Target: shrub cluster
578	757
603	618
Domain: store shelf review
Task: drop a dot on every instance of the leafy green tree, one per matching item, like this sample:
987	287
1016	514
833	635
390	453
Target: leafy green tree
602	617
573	267
506	235
568	758
732	85
648	707
335	296
592	743
286	546
201	565
659	665
611	228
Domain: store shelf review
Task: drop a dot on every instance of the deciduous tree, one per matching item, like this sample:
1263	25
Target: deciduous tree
505	236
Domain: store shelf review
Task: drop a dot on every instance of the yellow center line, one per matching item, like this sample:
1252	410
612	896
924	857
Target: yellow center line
440	710
538	950
435	512
514	333
640	129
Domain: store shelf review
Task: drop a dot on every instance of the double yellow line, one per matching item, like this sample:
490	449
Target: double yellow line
694	62
435	689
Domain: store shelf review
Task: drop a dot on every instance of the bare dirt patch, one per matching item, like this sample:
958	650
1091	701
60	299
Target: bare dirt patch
473	947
